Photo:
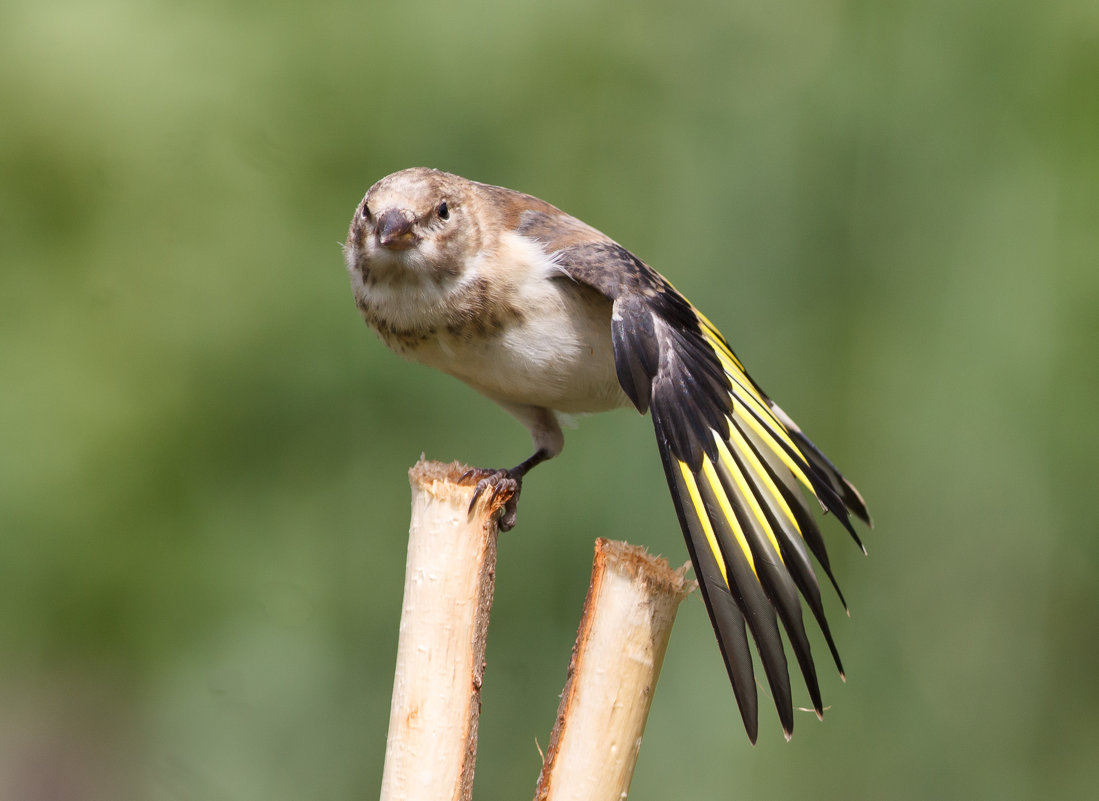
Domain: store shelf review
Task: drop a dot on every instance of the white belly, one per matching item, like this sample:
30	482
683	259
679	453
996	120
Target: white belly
558	356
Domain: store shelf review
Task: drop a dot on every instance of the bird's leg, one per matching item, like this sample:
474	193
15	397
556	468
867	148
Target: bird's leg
504	482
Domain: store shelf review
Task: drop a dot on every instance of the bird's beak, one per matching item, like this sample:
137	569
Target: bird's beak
395	229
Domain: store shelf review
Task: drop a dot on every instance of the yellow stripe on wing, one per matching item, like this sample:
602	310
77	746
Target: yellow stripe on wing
748	393
767	484
768	439
704	518
746	492
735	369
716	339
727	511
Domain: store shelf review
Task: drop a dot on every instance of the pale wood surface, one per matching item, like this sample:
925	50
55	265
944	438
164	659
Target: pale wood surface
627	620
449	579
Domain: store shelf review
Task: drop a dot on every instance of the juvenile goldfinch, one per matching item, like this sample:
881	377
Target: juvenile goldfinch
544	314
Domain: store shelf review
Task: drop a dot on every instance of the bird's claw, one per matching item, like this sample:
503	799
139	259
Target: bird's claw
504	484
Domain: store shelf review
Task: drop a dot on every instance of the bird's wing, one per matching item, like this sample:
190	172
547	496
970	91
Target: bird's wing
736	466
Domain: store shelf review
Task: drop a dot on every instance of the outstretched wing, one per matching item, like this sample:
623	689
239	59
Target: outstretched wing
736	466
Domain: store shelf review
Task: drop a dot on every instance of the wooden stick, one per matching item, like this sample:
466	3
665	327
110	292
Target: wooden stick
624	630
449	578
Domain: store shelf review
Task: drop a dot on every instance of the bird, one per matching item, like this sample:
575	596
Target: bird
547	316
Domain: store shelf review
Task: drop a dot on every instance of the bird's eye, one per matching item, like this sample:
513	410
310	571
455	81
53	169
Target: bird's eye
366	212
443	211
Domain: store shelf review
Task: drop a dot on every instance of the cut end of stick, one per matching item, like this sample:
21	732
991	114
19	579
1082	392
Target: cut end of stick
635	561
439	477
444	480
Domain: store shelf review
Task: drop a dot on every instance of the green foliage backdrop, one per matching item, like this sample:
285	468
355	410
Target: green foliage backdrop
890	209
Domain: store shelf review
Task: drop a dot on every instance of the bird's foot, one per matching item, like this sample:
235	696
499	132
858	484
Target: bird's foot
505	486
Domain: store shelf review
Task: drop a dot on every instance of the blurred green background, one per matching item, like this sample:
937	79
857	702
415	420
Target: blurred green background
892	211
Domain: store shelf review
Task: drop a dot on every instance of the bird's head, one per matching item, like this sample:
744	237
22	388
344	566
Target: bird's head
413	226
